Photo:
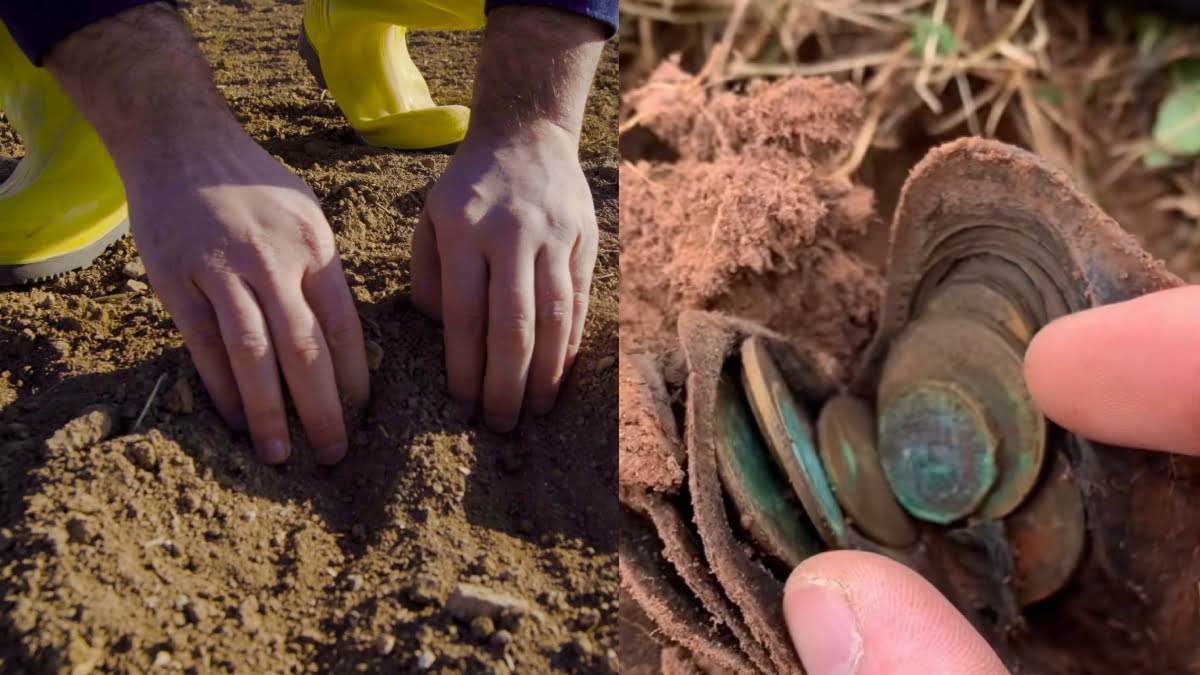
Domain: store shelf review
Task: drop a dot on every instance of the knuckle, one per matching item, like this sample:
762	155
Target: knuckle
513	329
305	350
555	313
248	346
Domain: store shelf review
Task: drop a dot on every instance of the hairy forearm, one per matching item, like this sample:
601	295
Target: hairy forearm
139	76
536	66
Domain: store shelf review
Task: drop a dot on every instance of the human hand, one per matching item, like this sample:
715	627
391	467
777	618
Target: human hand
503	255
235	244
504	252
242	258
1122	374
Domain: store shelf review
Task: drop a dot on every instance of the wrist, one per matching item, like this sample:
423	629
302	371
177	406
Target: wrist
140	80
535	69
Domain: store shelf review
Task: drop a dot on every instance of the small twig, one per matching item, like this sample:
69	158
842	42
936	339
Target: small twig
150	400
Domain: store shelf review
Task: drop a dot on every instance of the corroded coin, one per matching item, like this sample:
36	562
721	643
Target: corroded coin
938	450
766	508
983	301
987	366
1047	535
789	434
846	441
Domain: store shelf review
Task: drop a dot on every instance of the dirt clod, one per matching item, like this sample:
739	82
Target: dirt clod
469	601
482	628
425	590
143	455
134	269
384	645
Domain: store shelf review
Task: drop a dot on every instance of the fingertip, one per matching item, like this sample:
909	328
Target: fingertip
274	451
331	454
858	612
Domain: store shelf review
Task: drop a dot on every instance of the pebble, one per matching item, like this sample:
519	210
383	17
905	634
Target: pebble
582	646
134	269
374	355
143	456
6	539
196	611
469	601
425	659
482	628
135	286
424	635
501	639
605	363
385	644
61	346
354	582
424	590
161	659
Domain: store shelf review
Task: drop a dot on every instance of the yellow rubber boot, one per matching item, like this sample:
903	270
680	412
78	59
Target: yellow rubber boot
64	203
357	50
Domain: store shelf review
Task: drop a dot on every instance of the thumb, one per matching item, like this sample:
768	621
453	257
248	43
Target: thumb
856	613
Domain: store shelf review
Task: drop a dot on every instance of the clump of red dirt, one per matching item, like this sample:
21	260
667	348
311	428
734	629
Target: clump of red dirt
735	205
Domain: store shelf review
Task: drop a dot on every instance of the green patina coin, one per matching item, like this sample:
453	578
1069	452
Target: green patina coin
846	440
937	450
766	509
986	364
789	434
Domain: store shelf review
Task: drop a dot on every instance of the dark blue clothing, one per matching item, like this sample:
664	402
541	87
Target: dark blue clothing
38	25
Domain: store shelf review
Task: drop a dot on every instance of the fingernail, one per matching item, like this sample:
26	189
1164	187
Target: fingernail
823	628
500	423
274	452
333	454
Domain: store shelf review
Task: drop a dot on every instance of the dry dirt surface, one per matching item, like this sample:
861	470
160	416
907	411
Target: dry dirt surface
435	545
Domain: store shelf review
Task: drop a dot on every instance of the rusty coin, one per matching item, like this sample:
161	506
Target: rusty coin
1047	535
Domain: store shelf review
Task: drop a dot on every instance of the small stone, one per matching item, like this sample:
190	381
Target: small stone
605	363
481	628
469	601
248	614
81	530
6	539
161	659
134	269
425	659
425	590
196	611
374	355
143	456
501	639
250	516
41	298
587	619
384	644
61	346
135	286
582	646
354	582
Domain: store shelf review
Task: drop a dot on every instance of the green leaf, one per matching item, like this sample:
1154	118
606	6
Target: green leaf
1156	158
924	27
1177	129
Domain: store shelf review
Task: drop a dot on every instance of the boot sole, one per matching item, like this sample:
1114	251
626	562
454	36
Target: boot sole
24	273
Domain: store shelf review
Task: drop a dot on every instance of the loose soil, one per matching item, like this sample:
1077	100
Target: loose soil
434	545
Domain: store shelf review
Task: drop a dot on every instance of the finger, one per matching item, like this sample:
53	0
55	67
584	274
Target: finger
304	357
331	302
252	358
1125	374
862	613
197	323
554	320
583	264
426	269
510	336
464	317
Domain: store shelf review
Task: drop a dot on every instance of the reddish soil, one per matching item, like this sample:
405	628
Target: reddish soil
167	544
